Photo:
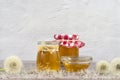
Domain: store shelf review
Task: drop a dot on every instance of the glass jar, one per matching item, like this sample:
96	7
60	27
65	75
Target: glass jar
74	64
68	51
48	56
69	44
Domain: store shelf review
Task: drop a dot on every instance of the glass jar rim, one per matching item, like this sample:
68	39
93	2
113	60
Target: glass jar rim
79	58
47	42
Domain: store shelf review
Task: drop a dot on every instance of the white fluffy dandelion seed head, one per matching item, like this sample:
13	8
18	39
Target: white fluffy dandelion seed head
13	64
103	66
115	65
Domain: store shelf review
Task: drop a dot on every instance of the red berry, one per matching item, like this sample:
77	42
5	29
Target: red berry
75	37
76	42
64	42
59	37
66	37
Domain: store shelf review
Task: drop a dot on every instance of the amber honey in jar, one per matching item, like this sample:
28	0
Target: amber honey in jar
48	56
68	51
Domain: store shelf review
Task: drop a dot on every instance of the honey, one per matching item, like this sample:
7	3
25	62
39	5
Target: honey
48	58
76	67
65	51
74	64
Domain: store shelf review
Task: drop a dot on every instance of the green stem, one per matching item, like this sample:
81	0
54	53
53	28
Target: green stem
2	70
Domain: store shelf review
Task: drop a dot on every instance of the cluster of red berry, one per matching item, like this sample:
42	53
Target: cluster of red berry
69	40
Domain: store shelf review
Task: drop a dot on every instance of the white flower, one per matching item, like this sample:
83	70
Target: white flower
103	66
115	65
13	64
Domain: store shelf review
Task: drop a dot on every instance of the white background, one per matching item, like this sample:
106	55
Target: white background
24	22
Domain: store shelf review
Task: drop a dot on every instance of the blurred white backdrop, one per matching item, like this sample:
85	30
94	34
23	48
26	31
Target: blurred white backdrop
24	22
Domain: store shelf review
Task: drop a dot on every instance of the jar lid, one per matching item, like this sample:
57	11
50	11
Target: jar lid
69	40
66	37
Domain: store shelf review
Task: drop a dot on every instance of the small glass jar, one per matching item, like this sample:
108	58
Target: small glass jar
74	64
69	44
48	56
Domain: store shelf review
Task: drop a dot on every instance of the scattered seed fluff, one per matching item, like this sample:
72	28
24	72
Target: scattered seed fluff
62	75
